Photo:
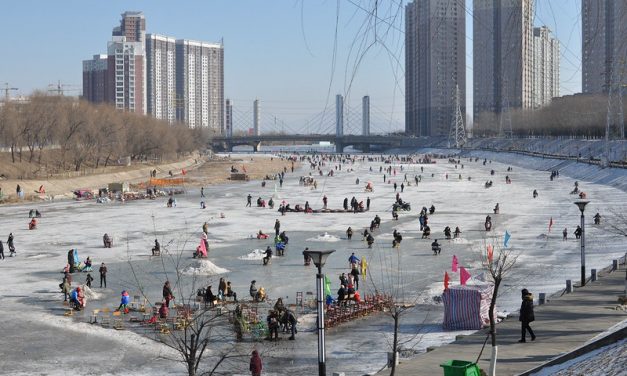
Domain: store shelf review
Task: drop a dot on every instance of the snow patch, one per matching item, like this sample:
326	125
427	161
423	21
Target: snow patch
204	267
256	254
326	237
460	241
91	294
39	255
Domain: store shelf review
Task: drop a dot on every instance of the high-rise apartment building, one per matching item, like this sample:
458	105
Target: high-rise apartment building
161	77
604	44
435	64
132	26
503	55
95	79
127	63
546	67
200	83
126	74
170	79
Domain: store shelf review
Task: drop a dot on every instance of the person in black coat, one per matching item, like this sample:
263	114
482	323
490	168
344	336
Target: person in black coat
355	273
526	315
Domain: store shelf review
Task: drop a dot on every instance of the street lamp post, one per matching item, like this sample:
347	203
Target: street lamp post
319	258
582	205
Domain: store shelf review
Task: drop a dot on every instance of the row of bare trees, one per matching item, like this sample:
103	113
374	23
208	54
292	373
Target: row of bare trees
64	133
573	116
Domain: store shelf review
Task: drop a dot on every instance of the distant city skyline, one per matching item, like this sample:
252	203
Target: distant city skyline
279	52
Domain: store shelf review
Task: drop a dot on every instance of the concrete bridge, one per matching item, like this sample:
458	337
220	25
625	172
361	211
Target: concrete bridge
362	143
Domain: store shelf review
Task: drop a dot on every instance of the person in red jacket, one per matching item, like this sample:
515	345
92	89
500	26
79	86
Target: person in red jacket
255	364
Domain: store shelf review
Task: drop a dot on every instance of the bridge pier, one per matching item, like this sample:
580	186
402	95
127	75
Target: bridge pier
257	146
339	146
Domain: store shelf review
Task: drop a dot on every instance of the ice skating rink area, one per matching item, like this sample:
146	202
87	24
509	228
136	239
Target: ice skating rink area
38	339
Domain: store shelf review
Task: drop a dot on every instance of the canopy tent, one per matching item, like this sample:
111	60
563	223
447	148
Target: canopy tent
466	307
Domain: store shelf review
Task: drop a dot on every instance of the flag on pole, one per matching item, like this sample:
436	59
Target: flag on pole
490	253
550	224
327	286
364	268
463	275
454	264
506	238
446	280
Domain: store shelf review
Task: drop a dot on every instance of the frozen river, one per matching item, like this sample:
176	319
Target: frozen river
41	340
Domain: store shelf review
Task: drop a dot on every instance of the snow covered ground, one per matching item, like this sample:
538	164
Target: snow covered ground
38	339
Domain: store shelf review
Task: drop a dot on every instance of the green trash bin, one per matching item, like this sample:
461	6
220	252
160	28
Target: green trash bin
460	368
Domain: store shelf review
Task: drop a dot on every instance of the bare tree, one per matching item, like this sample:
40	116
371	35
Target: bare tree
204	340
9	118
401	298
87	134
498	264
617	223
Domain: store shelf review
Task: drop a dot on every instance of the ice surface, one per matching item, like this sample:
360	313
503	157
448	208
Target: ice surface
29	282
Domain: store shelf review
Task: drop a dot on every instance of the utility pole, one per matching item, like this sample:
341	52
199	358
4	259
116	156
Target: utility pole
7	89
457	135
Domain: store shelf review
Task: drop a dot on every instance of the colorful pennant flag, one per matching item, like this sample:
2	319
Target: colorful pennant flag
490	253
454	264
446	280
463	275
506	238
364	268
327	286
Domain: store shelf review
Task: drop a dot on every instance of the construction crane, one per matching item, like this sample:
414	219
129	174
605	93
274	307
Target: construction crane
7	89
61	89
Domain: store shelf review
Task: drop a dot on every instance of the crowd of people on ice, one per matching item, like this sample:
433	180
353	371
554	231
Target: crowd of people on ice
280	317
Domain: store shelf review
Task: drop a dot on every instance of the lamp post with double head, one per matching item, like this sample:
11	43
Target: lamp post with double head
319	258
582	206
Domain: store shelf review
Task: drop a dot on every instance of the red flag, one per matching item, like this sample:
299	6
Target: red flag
183	172
446	280
454	264
550	224
463	275
490	253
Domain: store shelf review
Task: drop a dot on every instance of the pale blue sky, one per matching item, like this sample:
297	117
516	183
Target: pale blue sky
280	51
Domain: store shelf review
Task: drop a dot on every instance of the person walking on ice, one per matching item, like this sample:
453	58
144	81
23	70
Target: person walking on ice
255	364
103	275
277	227
11	245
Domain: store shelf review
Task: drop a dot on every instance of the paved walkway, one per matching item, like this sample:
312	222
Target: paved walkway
561	326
